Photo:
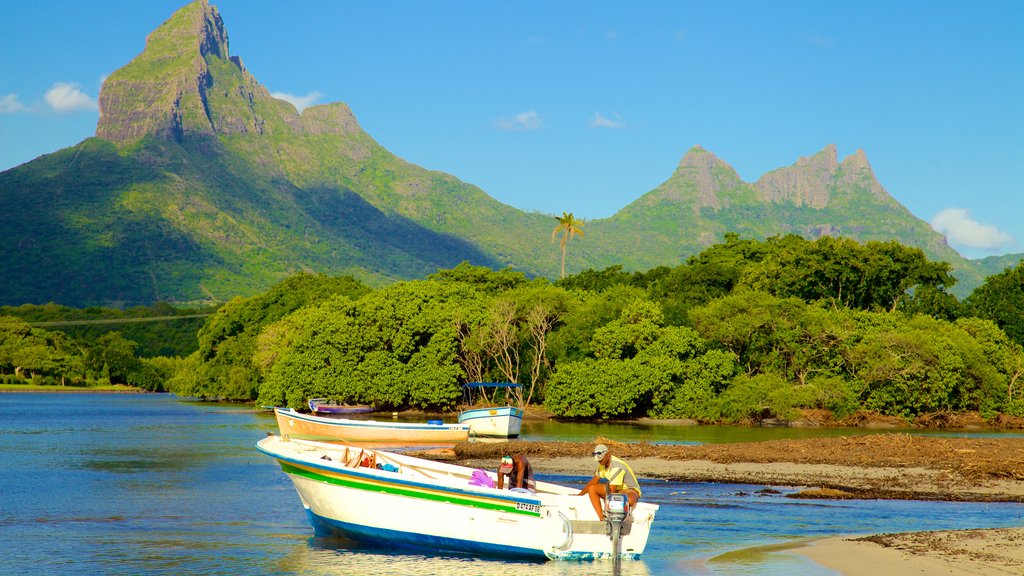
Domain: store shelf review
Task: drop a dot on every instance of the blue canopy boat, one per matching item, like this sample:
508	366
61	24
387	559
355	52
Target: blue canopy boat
493	421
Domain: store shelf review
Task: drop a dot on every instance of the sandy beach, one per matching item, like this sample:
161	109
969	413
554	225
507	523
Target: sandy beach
893	466
995	552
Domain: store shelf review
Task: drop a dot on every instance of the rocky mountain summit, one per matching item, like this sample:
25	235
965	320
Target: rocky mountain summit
704	181
185	83
200	186
814	181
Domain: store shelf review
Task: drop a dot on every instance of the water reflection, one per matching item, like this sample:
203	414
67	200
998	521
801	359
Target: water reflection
339	557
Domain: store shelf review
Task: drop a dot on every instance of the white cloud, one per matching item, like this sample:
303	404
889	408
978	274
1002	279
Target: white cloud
9	104
522	122
300	102
65	97
600	121
960	229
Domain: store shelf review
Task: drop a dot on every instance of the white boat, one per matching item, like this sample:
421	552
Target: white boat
492	421
309	427
503	422
389	499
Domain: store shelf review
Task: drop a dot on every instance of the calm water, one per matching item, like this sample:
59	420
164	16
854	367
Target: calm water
151	484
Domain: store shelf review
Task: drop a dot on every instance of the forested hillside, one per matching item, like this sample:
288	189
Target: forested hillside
746	330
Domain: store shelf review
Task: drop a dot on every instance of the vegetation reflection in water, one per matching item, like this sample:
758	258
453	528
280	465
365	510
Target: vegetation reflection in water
339	557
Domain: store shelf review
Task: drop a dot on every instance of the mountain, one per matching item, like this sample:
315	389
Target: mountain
200	186
817	195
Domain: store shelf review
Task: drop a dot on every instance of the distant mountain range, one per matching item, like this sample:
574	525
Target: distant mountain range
199	186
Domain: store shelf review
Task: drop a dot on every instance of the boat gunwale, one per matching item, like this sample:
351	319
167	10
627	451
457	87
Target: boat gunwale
507	411
379	476
375	424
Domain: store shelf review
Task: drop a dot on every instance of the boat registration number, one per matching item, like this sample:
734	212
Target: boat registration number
535	508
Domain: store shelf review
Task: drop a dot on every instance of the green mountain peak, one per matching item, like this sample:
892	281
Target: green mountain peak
185	83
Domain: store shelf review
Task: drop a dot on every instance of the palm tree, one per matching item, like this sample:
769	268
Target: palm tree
569	226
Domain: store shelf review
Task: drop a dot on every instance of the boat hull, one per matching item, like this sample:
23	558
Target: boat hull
308	427
501	422
431	505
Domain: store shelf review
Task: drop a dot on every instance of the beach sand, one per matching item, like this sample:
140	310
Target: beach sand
994	552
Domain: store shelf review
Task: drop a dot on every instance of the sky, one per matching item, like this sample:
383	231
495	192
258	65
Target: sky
584	106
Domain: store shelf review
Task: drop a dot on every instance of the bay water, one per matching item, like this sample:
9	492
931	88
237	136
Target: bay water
155	484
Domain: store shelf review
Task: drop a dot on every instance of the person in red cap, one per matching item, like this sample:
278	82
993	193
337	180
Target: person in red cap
519	472
618	475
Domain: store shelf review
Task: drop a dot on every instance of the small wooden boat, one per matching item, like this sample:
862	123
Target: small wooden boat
320	406
390	500
309	427
493	421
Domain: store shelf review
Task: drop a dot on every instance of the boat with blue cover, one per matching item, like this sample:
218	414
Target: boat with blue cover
492	421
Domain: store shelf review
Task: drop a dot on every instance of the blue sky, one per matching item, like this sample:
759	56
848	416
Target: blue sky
585	106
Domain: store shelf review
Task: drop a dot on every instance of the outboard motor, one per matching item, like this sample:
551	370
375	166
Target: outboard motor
615	512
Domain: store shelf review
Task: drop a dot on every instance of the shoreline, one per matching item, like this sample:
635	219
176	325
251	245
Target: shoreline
888	466
56	389
883	466
985	552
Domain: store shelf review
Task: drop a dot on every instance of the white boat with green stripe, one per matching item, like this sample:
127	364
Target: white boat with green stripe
391	500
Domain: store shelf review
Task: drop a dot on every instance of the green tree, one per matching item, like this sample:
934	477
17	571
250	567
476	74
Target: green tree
114	354
227	342
568	226
394	347
35	353
1000	299
934	301
873	276
597	280
585	312
485	279
640	367
772	335
509	340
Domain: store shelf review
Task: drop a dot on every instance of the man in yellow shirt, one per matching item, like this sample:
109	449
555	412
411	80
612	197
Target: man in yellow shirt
620	478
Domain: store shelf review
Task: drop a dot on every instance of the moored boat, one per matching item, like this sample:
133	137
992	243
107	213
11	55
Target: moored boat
310	427
389	499
492	421
497	422
321	406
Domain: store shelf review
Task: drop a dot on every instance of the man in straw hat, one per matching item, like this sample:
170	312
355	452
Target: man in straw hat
619	477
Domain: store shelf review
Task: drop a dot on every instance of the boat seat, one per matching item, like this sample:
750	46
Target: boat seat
363	458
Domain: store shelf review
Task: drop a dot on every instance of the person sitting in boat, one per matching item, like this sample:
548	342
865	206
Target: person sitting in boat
612	475
519	472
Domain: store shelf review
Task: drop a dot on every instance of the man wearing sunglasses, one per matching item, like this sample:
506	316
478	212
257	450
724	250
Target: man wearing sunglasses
613	475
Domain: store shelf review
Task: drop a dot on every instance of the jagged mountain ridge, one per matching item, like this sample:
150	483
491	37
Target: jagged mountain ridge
202	186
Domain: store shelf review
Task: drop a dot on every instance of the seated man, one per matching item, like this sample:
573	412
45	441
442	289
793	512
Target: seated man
519	472
619	477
